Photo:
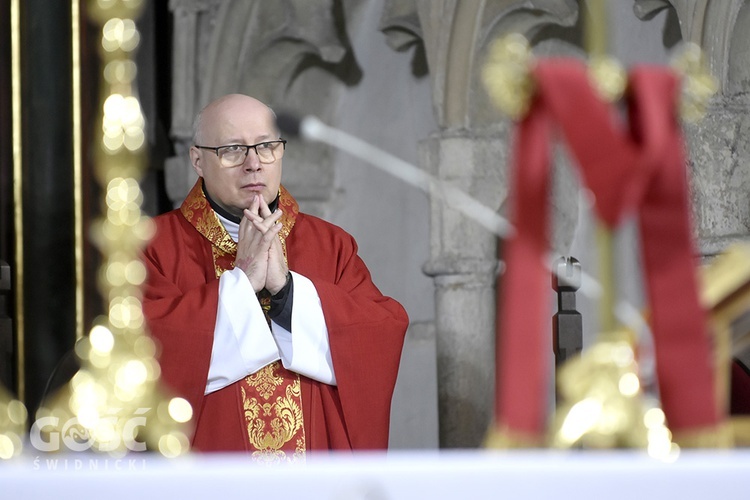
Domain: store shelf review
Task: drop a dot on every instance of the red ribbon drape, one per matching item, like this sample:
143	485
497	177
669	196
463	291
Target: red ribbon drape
631	165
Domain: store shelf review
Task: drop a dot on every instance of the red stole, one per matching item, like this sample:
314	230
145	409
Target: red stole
641	169
271	398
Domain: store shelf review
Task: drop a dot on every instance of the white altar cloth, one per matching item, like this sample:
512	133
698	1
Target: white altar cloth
700	474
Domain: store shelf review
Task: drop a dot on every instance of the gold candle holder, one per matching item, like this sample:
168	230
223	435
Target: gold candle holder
602	401
113	403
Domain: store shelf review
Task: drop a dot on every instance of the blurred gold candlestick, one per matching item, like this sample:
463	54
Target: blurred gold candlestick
114	404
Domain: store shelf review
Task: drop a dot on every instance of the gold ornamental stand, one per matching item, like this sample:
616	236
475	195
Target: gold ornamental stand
114	403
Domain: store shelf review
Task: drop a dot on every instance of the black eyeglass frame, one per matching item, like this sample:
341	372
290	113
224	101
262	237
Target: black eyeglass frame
247	147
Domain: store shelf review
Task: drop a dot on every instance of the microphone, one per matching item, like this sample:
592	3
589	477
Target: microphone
311	128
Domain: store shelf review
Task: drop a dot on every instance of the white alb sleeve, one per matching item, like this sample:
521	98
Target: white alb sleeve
306	350
243	343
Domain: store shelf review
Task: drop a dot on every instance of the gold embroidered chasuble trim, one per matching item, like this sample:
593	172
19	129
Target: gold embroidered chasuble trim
271	397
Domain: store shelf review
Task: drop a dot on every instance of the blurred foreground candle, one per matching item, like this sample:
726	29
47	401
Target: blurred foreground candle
13	418
114	403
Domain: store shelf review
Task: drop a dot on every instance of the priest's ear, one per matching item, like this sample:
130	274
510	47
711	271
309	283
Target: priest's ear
195	160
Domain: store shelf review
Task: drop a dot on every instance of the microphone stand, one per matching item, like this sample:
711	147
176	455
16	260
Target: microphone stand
311	128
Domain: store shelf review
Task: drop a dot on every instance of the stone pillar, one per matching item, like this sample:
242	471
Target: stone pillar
470	151
718	144
719	154
463	263
718	148
189	16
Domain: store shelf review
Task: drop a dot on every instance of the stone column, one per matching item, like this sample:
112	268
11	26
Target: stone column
719	154
718	146
470	151
463	263
189	16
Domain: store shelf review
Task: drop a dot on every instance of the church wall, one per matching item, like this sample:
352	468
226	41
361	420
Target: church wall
391	109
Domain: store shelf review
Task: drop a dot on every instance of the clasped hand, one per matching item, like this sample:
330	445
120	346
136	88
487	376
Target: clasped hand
259	251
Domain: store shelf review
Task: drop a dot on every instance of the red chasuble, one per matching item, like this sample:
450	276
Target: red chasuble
365	330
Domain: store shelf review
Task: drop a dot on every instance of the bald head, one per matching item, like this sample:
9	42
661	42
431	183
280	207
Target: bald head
217	111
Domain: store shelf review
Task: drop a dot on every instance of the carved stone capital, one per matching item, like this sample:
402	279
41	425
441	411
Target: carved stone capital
476	166
400	24
711	25
456	35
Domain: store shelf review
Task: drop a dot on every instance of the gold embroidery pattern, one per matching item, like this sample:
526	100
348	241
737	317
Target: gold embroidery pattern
290	209
265	381
198	212
272	397
222	260
272	422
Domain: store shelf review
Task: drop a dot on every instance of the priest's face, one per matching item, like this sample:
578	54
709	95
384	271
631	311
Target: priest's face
232	179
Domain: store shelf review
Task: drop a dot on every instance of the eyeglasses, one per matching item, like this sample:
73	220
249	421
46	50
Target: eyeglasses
234	155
